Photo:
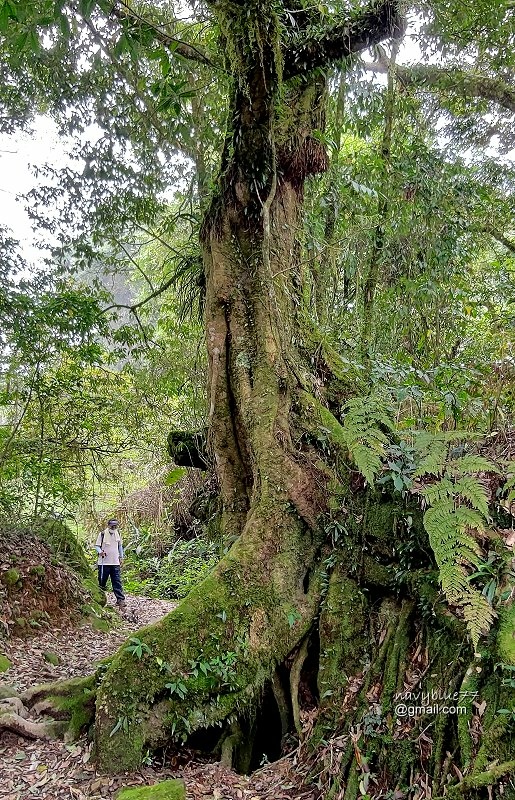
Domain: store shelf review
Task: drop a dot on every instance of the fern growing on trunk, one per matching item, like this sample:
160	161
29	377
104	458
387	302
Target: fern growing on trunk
457	511
457	503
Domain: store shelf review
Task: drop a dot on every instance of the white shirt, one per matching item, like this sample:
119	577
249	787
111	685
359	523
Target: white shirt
111	545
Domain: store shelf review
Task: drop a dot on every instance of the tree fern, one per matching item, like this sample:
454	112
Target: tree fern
458	506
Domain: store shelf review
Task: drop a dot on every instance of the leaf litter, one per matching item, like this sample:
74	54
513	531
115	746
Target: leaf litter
39	770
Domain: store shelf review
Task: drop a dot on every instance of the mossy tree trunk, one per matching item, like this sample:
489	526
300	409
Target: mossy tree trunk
269	607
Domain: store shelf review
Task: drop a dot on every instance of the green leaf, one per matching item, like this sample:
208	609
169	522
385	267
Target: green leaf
121	723
64	25
8	11
398	482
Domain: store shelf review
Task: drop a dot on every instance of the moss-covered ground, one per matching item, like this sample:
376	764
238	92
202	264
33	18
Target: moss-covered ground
166	790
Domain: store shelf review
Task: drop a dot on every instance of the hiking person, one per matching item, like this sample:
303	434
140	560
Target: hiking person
110	556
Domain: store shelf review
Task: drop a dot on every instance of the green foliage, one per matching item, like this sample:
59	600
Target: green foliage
137	647
400	467
362	432
509	486
293	617
458	507
219	671
175	573
175	475
122	723
65	545
178	688
365	423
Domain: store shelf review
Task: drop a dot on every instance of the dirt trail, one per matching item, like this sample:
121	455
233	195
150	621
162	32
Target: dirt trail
37	770
77	648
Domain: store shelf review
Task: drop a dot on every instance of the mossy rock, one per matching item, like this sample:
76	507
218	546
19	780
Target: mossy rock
52	658
21	622
10	577
4	663
166	790
37	569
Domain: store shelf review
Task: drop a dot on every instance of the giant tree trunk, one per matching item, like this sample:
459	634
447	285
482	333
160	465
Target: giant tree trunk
260	601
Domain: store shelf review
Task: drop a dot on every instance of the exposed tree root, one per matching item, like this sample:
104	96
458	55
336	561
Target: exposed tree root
488	778
13	705
245	622
19	724
295	682
283	705
63	689
69	704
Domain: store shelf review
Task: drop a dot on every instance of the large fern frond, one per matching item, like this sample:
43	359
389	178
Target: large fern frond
458	507
431	453
434	460
479	615
363	431
438	491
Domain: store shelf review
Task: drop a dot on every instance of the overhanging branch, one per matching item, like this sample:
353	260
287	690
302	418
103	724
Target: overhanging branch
125	13
463	83
500	237
381	20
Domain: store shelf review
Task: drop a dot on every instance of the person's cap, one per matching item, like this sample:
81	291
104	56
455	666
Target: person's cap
112	522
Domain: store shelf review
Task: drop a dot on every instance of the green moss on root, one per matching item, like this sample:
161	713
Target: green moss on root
473	782
497	738
468	692
343	638
72	700
234	616
396	658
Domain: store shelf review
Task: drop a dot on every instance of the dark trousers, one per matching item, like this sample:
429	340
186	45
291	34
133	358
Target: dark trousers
112	571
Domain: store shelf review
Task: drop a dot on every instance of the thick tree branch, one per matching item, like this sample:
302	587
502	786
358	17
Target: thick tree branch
500	237
160	289
125	14
464	83
382	20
